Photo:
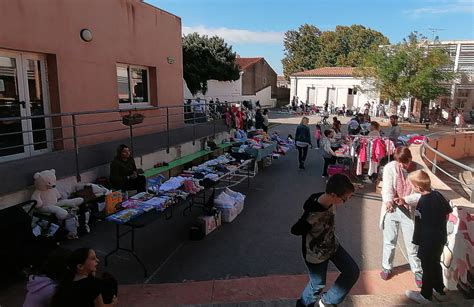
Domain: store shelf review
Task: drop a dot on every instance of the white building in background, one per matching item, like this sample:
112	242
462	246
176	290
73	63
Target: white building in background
461	53
332	84
257	82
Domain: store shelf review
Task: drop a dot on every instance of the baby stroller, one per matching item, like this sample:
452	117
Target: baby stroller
20	247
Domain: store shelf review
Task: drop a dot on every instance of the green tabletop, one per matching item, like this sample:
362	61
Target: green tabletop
183	160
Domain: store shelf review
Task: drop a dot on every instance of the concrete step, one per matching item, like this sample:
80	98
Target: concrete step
455	299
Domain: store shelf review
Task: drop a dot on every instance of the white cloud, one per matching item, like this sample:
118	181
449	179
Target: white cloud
238	35
447	7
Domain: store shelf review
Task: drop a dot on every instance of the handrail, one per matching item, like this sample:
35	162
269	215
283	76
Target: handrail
71	132
437	153
445	157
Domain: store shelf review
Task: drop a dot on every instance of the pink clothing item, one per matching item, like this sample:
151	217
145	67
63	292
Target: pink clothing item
378	150
403	186
40	291
416	139
363	151
317	134
389	147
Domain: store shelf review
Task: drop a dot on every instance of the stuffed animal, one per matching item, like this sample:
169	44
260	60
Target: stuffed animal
48	197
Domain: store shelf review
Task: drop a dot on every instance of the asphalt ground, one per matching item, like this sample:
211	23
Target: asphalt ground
257	243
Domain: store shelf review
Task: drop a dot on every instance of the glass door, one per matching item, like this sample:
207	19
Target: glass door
12	106
23	93
36	106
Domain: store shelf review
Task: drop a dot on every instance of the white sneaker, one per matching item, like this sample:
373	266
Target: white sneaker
417	297
321	304
440	296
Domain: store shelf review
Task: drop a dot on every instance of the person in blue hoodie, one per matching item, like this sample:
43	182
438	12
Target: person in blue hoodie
42	285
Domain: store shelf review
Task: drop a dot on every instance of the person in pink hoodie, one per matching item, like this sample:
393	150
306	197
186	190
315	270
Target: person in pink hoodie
317	136
42	286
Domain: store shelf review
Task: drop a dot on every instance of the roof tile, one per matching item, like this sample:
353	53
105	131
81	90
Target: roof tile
327	72
244	63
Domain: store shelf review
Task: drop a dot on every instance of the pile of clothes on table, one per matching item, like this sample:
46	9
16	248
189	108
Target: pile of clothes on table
283	145
165	193
412	139
195	179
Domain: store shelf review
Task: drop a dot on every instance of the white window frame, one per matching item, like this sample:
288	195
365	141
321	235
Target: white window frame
133	105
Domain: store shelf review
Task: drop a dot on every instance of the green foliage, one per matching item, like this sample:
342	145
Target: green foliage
301	49
412	68
309	48
207	58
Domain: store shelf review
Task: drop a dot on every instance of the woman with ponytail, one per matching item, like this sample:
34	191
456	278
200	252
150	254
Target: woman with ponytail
80	287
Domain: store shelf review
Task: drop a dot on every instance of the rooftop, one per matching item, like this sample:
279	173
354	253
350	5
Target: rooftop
244	63
326	72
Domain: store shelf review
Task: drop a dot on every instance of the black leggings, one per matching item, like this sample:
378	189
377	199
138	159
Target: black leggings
432	271
302	153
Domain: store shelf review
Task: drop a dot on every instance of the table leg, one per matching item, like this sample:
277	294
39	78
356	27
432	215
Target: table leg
132	251
117	244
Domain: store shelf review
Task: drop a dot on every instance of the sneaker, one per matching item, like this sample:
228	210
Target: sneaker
386	274
322	304
440	296
419	279
417	297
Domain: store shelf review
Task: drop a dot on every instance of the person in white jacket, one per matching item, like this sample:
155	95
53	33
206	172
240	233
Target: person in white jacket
397	201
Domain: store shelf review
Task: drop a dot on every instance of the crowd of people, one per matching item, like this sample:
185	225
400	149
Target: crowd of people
408	204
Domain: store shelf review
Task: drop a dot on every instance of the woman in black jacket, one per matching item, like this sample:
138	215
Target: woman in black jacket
303	141
259	119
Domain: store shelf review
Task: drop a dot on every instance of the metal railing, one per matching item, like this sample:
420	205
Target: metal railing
73	130
437	154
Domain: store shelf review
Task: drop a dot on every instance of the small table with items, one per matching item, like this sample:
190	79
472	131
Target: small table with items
144	208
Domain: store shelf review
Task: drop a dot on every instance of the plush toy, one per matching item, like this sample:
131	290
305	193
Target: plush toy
47	196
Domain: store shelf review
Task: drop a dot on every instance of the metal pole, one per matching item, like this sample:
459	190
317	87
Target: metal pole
167	130
194	128
433	169
214	124
131	133
76	148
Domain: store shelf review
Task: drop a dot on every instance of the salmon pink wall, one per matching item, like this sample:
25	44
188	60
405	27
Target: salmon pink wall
83	73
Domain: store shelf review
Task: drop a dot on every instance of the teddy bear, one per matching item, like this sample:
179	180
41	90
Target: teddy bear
48	197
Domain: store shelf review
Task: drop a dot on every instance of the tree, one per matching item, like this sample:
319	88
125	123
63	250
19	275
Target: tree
309	48
347	45
302	48
207	58
413	68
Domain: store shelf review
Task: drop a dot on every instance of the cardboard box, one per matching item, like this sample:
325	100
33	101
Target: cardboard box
209	223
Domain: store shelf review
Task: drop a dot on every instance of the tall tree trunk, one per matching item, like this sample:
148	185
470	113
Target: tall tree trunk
417	107
393	107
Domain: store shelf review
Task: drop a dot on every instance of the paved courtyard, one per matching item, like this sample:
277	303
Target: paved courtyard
255	257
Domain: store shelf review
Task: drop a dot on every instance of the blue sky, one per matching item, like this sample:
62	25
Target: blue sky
256	27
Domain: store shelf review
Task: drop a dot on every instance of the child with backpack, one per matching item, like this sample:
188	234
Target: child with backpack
320	245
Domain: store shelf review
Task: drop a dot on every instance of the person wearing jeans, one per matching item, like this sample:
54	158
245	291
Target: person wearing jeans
303	140
320	245
317	279
394	214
